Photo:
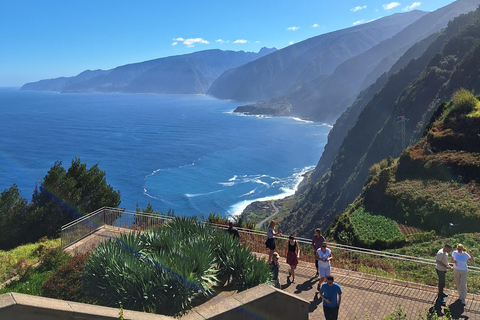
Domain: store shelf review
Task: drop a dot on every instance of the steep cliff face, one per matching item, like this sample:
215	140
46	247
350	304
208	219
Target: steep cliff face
288	69
327	96
394	118
434	184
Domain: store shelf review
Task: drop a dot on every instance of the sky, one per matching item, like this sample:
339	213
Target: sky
44	39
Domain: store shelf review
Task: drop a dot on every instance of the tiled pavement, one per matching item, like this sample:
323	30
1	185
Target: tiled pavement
364	297
369	297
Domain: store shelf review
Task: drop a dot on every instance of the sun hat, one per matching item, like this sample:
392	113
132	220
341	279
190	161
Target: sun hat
460	247
275	255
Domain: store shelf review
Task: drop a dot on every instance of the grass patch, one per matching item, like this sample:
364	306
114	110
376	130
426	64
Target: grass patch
29	283
16	261
37	263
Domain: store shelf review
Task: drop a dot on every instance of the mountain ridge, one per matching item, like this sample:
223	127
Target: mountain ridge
327	97
191	73
413	93
280	72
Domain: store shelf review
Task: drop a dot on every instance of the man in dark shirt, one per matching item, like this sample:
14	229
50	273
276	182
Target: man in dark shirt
232	230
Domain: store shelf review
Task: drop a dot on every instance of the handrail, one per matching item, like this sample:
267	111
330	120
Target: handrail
345	256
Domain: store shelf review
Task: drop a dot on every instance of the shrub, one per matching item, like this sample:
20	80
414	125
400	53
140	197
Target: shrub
464	102
51	258
65	282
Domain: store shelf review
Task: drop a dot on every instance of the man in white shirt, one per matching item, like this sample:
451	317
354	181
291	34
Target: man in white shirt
441	268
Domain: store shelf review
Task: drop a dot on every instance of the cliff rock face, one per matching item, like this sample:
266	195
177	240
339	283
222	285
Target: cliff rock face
290	68
327	95
434	184
393	118
185	74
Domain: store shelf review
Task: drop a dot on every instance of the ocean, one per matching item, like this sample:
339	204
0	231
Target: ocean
188	153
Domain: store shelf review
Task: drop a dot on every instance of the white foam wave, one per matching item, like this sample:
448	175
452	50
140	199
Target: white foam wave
248	193
238	208
324	124
192	195
302	120
149	195
233	178
227	184
261	182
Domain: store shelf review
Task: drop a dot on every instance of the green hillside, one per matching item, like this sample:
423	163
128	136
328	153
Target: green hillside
433	185
394	118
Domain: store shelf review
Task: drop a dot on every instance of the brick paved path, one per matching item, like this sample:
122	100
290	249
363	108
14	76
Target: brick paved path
368	296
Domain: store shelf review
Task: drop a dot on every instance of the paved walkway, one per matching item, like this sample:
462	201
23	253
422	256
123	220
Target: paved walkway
370	297
364	296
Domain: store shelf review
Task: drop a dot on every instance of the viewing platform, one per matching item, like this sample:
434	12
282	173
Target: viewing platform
364	295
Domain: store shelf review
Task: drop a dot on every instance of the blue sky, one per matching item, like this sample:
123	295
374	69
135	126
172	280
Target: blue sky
42	39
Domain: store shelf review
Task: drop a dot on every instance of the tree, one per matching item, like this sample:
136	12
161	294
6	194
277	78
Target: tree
65	195
13	210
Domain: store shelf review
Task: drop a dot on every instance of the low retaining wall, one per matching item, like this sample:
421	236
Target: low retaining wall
261	302
20	306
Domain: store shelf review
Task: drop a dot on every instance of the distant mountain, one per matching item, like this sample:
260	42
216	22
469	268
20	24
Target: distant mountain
289	68
184	74
392	119
325	98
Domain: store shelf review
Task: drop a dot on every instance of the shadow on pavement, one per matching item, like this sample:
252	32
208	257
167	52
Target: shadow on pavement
456	309
306	286
314	304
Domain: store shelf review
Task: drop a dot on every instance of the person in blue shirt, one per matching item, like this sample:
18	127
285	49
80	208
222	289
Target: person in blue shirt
331	294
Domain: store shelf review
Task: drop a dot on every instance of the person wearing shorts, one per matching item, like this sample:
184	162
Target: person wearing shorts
270	243
323	255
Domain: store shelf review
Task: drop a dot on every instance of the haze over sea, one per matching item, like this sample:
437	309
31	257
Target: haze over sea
189	153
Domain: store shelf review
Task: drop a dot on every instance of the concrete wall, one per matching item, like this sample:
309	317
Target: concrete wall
260	302
17	306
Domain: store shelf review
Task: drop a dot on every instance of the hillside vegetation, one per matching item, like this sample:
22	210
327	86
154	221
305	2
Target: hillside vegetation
394	118
433	185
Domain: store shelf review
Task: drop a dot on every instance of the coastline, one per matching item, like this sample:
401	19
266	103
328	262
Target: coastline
239	207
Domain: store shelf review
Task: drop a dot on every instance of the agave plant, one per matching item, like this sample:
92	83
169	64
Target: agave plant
114	274
225	247
164	270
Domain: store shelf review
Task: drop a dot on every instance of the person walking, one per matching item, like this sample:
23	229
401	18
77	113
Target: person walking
331	294
324	256
441	268
270	243
317	241
460	269
292	252
275	267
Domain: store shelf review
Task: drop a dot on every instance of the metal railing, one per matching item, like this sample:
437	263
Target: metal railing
87	225
381	264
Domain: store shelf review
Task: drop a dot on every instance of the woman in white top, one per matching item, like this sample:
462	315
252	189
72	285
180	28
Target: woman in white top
459	259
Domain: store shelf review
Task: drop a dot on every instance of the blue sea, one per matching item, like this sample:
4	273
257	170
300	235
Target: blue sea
189	153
